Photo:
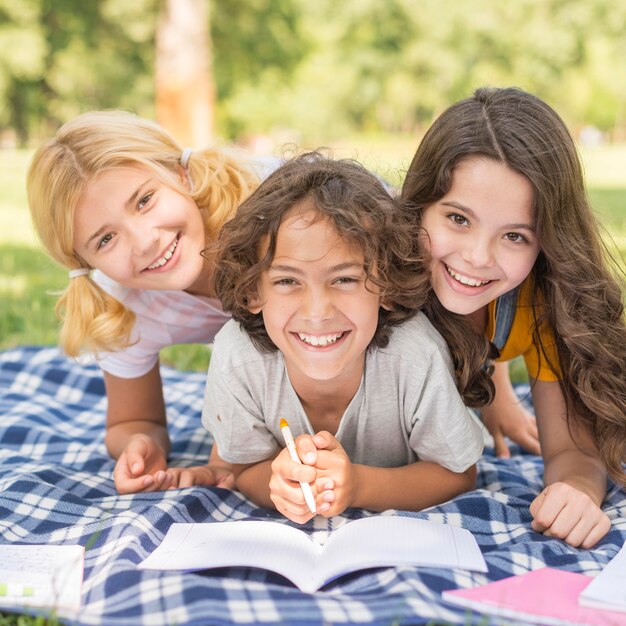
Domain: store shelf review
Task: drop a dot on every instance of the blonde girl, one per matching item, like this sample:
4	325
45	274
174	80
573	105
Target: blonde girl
116	201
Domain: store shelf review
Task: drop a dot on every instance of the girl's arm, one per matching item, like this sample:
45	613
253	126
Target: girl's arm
575	475
138	438
135	406
136	432
506	416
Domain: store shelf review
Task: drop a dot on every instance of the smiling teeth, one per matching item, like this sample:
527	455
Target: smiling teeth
166	257
322	340
464	280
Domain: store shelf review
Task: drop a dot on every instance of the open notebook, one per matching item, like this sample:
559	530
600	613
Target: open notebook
378	541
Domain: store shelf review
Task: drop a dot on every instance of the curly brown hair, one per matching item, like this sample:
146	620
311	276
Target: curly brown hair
364	215
578	292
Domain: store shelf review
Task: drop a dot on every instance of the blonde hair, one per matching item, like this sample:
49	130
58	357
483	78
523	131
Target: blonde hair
57	177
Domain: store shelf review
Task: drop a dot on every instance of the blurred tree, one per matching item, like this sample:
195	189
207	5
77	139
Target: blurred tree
185	91
393	66
61	57
258	47
322	68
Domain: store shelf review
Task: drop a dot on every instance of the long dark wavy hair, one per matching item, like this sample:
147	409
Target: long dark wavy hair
364	215
579	284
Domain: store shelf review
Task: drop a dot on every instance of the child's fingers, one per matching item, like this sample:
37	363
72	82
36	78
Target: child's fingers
289	470
134	485
162	480
597	532
533	431
296	472
579	531
535	505
224	479
205	475
325	441
564	523
186	479
501	448
528	438
324	484
289	489
530	443
306	449
545	511
136	452
333	462
325	501
292	506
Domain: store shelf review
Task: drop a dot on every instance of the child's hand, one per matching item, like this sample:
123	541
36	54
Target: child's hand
141	466
516	423
205	475
285	490
507	417
567	513
336	478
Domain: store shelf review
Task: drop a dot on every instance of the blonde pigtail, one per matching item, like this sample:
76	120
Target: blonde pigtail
91	319
220	184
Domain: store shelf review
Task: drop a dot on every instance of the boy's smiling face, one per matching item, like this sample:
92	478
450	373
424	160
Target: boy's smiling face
315	304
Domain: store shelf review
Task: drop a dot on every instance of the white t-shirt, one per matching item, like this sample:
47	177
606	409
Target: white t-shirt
407	407
163	318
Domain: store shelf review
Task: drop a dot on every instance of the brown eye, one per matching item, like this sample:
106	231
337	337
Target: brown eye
104	241
144	201
458	219
515	238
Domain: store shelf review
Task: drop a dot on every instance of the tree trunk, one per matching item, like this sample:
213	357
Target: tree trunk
185	90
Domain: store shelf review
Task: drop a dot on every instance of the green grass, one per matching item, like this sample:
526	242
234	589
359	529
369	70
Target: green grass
11	619
28	279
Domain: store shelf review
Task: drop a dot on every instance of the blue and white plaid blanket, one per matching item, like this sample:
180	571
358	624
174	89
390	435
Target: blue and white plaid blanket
56	487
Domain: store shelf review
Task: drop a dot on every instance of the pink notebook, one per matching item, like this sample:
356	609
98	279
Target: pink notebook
544	596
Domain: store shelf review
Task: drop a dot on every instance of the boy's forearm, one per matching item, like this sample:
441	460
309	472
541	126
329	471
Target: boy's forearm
411	487
254	482
118	435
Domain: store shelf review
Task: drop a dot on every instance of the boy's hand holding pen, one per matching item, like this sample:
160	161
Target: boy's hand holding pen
323	453
291	448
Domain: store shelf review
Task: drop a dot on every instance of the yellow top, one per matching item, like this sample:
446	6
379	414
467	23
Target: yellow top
283	422
520	341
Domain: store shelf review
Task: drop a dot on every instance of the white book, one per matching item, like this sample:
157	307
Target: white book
608	589
48	576
377	541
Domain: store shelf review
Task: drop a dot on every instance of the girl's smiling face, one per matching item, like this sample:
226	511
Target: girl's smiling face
317	306
481	235
140	231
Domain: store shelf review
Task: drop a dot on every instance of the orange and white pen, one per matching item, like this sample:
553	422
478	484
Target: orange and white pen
291	447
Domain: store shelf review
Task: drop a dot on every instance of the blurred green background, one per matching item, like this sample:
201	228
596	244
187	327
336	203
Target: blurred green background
361	76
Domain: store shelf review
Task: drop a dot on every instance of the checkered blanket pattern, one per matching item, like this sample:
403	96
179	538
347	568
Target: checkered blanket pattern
56	487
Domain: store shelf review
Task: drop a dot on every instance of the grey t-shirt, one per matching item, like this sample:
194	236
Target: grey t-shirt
407	407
